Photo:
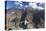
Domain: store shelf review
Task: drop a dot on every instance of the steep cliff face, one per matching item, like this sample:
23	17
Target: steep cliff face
28	18
38	19
12	16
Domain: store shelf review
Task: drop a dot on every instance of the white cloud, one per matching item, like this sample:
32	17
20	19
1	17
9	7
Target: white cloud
21	5
16	3
34	5
40	8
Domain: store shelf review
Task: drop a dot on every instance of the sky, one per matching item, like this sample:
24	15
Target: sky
20	5
9	4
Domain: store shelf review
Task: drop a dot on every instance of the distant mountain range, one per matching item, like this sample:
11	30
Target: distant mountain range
14	9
